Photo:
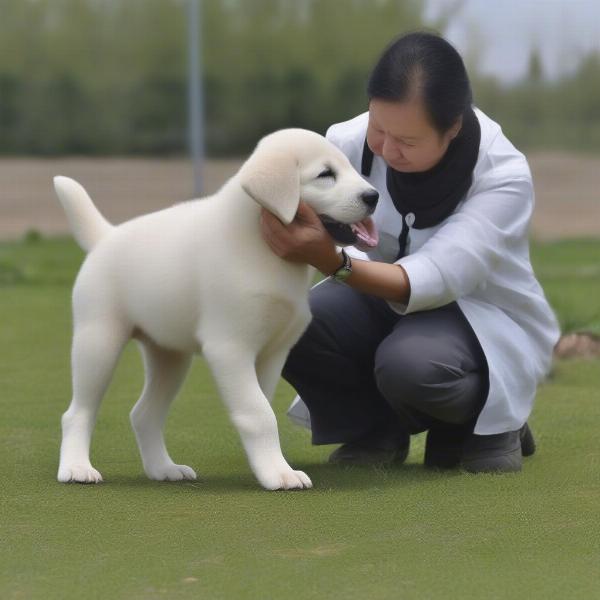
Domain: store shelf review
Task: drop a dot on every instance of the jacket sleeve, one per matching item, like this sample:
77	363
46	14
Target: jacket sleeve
466	249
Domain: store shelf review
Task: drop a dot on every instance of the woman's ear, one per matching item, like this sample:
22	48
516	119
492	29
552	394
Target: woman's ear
271	178
455	129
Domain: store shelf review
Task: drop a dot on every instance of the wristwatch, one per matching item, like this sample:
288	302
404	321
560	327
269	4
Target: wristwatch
345	270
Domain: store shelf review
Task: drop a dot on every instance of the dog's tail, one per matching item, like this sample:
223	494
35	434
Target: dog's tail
87	224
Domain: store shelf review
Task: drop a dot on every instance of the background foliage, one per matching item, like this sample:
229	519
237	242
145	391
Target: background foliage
109	76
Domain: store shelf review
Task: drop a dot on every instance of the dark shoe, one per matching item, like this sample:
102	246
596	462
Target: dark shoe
375	449
527	441
443	447
498	453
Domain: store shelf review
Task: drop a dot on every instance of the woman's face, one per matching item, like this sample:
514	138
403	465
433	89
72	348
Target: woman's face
402	134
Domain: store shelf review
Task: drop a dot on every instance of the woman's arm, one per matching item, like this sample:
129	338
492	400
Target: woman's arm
387	281
488	230
305	240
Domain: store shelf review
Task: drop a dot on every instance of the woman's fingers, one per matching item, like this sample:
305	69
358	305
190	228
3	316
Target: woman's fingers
305	239
308	218
272	224
306	214
274	232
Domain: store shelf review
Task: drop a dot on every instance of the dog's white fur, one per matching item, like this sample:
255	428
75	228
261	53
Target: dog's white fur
198	277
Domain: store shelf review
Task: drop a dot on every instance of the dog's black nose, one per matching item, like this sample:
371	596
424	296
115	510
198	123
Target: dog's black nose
370	198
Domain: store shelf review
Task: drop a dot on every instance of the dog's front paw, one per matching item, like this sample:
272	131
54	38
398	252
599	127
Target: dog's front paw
286	480
171	472
78	474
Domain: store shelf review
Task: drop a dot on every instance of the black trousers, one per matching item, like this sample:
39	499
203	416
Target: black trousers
361	367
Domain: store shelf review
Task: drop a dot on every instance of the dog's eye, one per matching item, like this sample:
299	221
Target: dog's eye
326	173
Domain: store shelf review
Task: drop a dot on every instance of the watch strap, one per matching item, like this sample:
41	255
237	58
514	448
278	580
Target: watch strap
344	271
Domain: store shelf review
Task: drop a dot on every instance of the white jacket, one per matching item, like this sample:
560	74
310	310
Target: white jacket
478	256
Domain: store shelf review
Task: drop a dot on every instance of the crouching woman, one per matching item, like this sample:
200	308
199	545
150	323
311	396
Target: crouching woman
441	326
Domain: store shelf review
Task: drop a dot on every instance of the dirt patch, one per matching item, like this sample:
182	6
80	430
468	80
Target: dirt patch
122	188
578	345
567	190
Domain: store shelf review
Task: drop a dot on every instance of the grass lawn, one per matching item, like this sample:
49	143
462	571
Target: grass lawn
364	534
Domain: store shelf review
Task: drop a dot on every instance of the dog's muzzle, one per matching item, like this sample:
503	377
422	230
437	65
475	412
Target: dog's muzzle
363	234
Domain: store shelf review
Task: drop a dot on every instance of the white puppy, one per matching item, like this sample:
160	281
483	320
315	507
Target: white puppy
198	277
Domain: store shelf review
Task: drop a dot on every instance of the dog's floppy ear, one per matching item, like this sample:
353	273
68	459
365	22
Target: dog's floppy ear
271	178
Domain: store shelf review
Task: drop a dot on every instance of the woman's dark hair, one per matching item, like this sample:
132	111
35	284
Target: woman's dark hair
425	64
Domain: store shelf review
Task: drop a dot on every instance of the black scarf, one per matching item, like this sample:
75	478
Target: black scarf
429	197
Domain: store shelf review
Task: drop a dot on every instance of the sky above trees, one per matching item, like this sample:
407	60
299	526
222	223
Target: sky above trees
498	35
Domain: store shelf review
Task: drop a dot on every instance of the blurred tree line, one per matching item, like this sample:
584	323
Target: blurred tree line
109	76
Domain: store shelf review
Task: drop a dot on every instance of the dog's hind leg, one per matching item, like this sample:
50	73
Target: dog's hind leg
96	349
233	367
165	372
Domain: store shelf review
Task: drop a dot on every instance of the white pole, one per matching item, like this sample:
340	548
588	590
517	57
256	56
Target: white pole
195	94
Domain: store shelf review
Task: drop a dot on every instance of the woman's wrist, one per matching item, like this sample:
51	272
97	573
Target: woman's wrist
330	263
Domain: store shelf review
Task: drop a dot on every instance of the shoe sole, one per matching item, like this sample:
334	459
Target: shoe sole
511	462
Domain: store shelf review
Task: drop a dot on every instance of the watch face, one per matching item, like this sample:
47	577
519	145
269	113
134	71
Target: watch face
343	274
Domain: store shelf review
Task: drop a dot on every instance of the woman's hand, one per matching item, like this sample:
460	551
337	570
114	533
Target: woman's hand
304	240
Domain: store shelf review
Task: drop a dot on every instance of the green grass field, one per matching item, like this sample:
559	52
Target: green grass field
361	533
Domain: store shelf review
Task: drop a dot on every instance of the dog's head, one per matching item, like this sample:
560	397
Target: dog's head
296	164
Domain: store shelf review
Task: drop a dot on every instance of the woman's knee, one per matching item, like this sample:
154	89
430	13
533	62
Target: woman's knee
400	376
345	322
437	388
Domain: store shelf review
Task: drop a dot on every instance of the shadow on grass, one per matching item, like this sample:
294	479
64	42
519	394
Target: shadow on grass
325	477
365	476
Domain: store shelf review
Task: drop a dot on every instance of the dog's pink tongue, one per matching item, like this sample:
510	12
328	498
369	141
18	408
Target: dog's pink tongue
366	234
